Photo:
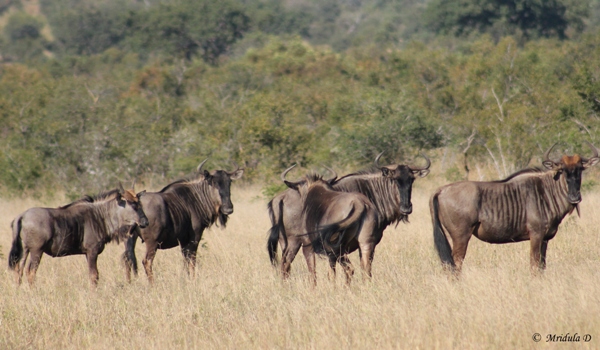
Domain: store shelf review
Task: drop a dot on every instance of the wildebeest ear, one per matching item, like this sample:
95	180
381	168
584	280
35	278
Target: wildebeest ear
550	165
591	162
421	173
120	201
141	193
237	174
292	185
207	175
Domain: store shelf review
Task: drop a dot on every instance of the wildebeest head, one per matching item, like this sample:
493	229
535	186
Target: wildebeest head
572	167
309	181
220	181
130	209
403	176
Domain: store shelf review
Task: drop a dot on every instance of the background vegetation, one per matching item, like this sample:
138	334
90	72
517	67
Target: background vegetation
96	91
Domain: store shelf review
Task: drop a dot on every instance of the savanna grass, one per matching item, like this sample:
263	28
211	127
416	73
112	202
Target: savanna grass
237	300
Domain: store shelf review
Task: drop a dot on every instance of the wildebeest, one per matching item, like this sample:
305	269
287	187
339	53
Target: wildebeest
389	188
528	205
334	221
82	227
178	215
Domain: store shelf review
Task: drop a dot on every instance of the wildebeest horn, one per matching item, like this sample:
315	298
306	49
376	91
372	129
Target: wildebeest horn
594	149
237	167
133	184
426	166
121	189
377	159
199	168
332	171
286	171
547	154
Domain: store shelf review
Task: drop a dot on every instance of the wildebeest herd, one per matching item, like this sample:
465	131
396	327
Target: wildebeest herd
332	217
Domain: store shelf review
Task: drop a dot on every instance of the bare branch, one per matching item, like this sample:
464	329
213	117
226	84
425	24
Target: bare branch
94	97
501	118
495	161
581	125
469	141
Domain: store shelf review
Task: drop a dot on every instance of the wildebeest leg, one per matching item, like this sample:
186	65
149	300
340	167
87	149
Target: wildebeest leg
34	262
288	256
537	244
147	262
129	259
543	254
21	266
92	260
189	255
309	255
367	251
460	242
332	261
348	268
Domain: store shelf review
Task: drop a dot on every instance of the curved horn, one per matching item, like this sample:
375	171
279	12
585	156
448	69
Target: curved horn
426	166
335	175
547	154
133	184
594	149
377	159
286	171
237	167
199	168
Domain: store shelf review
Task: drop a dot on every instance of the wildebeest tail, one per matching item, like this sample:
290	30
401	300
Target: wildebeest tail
129	258
328	241
275	231
439	237
16	252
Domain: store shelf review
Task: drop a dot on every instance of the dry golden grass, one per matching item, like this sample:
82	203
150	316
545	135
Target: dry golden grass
237	301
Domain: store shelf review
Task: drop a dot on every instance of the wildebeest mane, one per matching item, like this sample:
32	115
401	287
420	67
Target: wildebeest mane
92	199
173	184
382	192
193	197
534	170
314	177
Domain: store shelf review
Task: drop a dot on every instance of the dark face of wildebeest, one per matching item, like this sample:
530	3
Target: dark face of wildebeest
220	181
572	168
130	211
403	176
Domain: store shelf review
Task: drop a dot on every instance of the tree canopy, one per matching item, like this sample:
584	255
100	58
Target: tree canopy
92	92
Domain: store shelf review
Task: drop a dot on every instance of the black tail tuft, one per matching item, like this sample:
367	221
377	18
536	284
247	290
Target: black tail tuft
439	237
326	242
16	252
129	255
274	232
332	237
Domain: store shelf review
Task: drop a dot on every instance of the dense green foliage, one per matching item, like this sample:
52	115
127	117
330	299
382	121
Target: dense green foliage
142	89
548	18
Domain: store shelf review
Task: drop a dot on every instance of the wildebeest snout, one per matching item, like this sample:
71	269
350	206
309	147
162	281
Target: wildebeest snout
574	198
406	209
227	209
144	222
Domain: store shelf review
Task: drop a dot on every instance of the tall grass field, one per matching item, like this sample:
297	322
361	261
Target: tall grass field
236	300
